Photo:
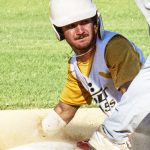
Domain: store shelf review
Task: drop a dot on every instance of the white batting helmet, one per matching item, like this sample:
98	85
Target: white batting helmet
64	12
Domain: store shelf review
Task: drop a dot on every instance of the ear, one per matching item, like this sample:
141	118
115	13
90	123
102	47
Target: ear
96	28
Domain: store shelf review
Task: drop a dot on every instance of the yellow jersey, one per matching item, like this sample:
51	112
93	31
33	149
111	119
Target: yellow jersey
123	63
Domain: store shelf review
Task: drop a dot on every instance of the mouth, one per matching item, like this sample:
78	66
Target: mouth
81	37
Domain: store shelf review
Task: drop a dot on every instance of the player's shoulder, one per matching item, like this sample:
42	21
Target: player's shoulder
117	49
118	41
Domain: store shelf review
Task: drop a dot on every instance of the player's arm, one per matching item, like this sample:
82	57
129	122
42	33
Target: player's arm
123	62
72	97
66	111
58	117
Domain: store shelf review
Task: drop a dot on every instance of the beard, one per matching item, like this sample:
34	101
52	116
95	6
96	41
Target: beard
83	43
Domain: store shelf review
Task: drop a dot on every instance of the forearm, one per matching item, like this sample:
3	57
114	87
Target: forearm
65	111
58	117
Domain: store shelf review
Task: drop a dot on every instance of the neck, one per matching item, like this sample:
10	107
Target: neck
85	56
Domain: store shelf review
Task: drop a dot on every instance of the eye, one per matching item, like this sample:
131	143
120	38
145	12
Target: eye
70	26
86	21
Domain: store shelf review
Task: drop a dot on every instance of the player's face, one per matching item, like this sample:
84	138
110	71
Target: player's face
80	35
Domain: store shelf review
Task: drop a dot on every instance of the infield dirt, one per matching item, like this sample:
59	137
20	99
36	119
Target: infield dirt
21	127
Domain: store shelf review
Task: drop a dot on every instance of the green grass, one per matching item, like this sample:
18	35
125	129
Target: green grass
33	64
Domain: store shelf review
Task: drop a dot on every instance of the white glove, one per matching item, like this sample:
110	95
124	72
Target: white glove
52	123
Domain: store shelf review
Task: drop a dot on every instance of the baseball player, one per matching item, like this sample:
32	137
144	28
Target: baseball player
102	67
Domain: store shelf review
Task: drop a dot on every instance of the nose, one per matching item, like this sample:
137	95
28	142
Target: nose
79	29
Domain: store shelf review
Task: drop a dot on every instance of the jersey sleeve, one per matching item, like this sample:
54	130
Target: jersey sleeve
122	60
73	92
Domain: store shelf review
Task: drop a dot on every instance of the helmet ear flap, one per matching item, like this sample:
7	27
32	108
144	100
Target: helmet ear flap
58	32
100	26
